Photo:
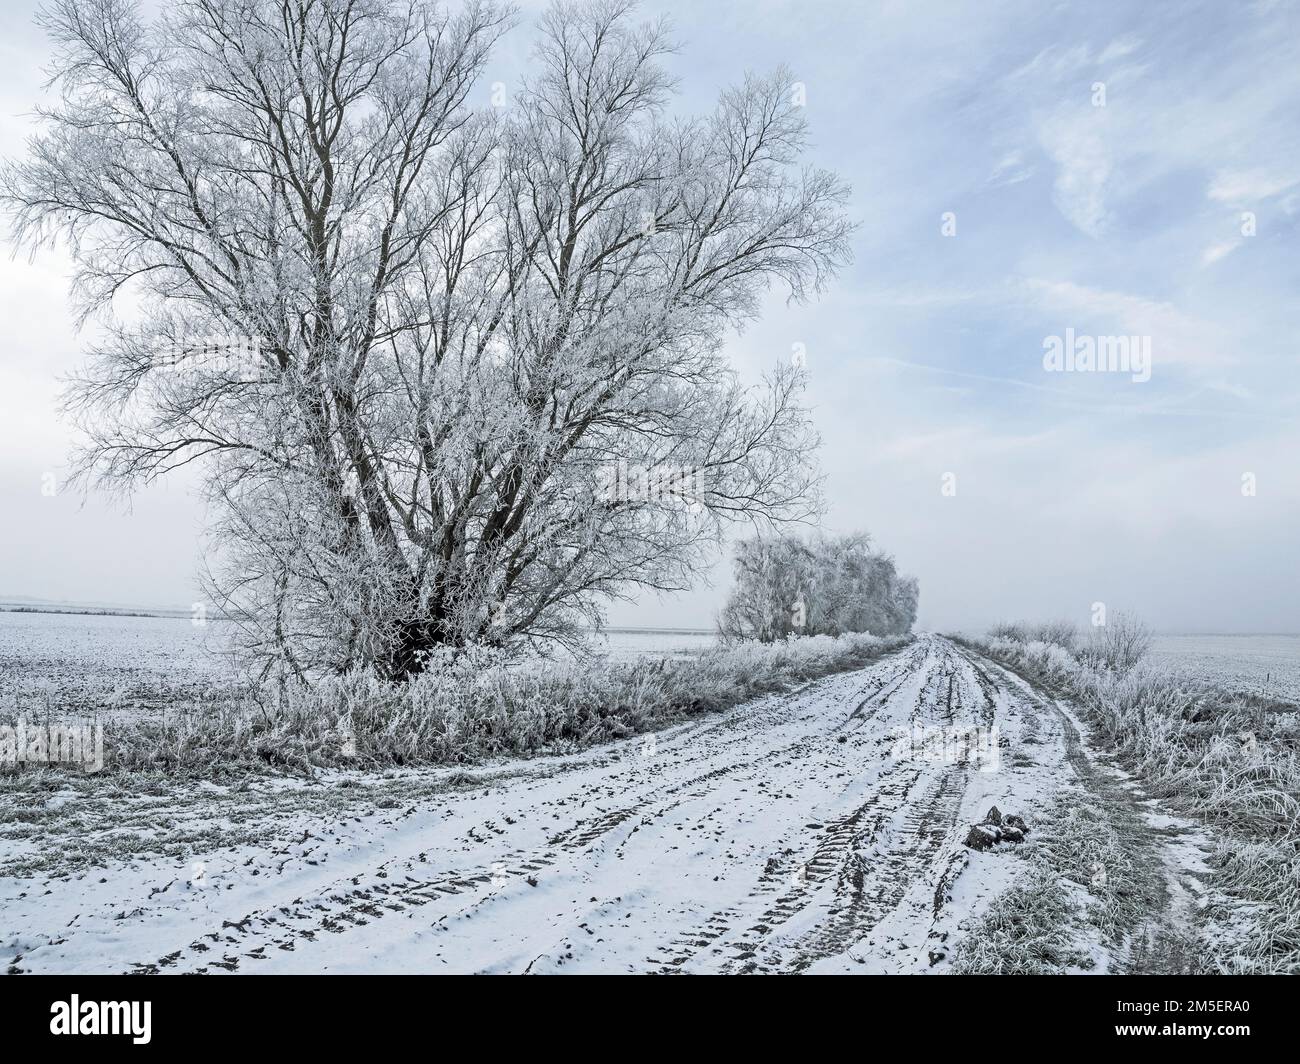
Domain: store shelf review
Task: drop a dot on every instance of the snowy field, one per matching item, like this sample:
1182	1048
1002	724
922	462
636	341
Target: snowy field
95	663
76	663
823	829
626	645
789	834
1264	664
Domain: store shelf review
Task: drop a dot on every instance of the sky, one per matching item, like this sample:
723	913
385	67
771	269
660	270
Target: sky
1020	171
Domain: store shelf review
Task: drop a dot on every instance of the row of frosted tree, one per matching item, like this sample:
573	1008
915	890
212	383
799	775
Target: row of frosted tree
828	585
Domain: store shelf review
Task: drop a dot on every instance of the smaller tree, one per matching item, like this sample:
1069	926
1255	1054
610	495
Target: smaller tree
1119	644
785	586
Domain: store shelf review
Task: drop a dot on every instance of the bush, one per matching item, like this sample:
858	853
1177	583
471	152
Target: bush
1117	645
1059	633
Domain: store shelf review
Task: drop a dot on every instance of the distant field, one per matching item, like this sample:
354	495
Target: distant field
1264	664
625	645
76	663
69	663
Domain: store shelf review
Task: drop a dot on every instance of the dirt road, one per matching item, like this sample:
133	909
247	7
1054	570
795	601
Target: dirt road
820	830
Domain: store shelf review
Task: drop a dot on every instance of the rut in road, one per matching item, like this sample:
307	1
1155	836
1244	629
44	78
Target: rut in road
807	830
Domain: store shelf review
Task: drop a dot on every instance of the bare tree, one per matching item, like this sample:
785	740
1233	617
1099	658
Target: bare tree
419	346
1119	644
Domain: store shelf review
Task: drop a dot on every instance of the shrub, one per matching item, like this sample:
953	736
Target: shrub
1117	645
1059	633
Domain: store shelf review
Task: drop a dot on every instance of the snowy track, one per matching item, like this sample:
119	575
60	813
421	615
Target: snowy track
789	834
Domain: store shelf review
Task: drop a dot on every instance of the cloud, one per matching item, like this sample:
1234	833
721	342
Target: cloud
1011	169
1244	187
1082	154
1119	48
1215	252
1054	63
1074	133
1177	338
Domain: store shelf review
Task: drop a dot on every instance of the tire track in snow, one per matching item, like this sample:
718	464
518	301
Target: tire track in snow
863	867
766	838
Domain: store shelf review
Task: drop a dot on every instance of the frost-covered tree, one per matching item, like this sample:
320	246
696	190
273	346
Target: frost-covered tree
773	580
409	323
1119	644
787	586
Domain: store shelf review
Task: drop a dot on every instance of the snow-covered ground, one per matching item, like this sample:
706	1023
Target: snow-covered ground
818	830
79	664
1267	665
625	644
70	665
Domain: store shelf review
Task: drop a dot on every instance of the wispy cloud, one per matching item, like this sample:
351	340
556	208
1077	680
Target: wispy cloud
1179	339
1221	250
1011	169
1120	48
1241	188
1078	145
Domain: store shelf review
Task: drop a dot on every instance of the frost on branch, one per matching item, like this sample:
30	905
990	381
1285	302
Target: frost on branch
450	321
